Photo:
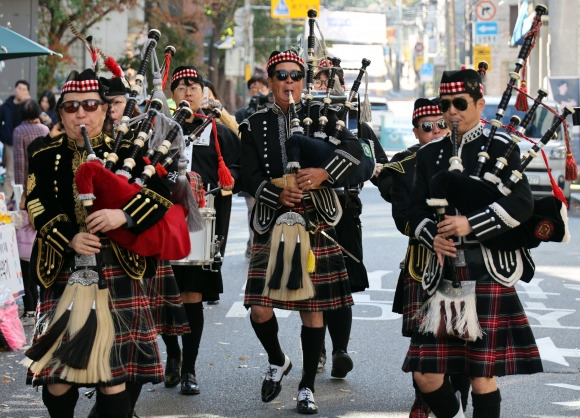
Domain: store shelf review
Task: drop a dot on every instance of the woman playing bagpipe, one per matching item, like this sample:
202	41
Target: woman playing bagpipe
94	327
487	333
291	268
214	155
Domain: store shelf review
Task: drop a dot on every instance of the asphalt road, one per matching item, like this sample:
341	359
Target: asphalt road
231	364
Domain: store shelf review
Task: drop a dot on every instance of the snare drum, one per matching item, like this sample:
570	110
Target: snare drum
201	242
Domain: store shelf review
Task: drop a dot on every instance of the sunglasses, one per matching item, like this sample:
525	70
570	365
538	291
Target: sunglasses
295	75
89	105
459	103
429	126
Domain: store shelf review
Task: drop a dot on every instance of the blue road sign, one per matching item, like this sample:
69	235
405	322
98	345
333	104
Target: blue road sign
486	28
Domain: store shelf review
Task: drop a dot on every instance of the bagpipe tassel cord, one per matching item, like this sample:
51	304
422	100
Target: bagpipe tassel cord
571	172
522	97
224	175
365	108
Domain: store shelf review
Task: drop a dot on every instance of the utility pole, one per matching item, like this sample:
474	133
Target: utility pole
450	29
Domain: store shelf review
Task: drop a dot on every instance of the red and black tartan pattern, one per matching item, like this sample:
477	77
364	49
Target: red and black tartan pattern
508	346
286	56
330	278
165	299
426	111
412	301
135	354
82	86
459	87
185	73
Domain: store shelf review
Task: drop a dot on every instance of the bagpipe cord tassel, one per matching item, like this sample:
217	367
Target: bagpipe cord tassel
365	107
522	97
571	172
224	175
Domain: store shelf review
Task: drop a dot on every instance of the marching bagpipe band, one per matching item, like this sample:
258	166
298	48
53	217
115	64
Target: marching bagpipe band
452	303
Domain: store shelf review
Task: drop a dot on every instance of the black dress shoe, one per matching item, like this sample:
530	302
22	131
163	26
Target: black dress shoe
189	384
305	402
272	384
341	364
172	372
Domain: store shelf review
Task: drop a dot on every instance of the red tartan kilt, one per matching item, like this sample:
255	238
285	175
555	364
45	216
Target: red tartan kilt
135	354
508	346
330	279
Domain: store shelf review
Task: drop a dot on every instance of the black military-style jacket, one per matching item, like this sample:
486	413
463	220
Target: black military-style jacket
490	218
264	156
58	216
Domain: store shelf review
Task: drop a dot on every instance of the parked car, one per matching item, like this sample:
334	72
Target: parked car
555	150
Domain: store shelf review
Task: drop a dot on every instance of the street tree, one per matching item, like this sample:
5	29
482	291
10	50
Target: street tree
53	30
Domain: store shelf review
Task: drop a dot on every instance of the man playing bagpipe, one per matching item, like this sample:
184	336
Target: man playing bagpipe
296	263
472	321
94	325
395	183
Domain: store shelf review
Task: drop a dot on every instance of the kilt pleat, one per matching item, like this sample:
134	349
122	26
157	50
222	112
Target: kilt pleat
165	299
508	346
330	279
411	301
135	354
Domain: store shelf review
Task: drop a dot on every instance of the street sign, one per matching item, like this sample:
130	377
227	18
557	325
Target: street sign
419	47
486	28
426	73
485	10
293	9
482	53
486	33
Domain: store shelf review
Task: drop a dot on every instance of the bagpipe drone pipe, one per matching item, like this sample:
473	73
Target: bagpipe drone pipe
158	220
306	151
468	192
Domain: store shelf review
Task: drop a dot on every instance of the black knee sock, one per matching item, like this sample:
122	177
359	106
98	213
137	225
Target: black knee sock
267	333
191	341
172	346
117	405
312	339
486	405
339	323
461	383
62	406
134	390
442	401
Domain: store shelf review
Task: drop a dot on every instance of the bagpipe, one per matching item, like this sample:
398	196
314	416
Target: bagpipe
468	192
312	149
